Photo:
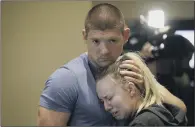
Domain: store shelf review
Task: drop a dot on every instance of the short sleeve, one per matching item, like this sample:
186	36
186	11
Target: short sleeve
60	92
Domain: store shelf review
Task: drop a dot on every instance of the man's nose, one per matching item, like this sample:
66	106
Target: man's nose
104	48
107	106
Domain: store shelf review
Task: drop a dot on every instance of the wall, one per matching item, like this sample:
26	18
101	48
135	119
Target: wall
0	70
37	38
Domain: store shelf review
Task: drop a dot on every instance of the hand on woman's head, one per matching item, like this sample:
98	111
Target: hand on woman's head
131	71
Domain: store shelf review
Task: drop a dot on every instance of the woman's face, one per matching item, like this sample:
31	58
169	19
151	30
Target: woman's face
116	100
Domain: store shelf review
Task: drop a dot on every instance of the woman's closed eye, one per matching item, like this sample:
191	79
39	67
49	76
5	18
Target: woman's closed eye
109	98
101	100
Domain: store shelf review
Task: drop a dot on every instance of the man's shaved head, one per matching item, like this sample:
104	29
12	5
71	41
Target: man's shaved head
104	16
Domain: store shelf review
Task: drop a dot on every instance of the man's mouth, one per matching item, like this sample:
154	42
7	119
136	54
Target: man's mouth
104	59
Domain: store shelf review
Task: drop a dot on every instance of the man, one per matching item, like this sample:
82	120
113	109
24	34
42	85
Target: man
69	97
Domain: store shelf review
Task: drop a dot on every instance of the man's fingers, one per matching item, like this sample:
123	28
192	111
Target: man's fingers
130	67
130	62
134	80
131	74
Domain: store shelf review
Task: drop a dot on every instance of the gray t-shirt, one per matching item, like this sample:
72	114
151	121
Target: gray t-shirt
72	89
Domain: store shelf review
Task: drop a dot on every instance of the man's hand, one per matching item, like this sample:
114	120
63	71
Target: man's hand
132	72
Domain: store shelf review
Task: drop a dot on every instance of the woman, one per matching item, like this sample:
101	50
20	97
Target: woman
140	105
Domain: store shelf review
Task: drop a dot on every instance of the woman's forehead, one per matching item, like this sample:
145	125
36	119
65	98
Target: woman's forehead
107	84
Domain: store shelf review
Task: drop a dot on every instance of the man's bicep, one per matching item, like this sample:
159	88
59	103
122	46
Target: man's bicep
48	117
60	92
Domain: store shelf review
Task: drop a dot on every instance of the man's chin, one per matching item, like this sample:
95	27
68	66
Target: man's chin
105	64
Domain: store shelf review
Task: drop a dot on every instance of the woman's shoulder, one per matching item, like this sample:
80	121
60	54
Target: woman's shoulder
146	118
159	115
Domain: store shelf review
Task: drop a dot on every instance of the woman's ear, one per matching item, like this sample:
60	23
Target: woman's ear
132	91
84	34
130	87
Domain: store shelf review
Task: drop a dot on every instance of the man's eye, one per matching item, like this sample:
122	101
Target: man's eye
95	41
112	41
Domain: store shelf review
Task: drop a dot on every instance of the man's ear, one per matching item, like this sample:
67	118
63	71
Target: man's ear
126	34
84	34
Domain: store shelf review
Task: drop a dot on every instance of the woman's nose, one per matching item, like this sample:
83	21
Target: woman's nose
107	106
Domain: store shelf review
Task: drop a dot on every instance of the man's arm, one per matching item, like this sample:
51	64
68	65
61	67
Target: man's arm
135	75
168	97
58	99
48	117
171	99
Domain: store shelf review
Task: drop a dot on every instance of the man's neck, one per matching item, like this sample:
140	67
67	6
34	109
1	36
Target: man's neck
96	66
95	69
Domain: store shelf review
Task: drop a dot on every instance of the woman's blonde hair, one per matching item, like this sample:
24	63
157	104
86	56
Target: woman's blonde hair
149	91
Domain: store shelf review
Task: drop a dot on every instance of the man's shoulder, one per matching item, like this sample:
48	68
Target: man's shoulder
61	78
77	60
68	73
79	65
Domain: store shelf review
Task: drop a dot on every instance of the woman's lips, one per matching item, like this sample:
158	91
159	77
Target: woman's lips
114	113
